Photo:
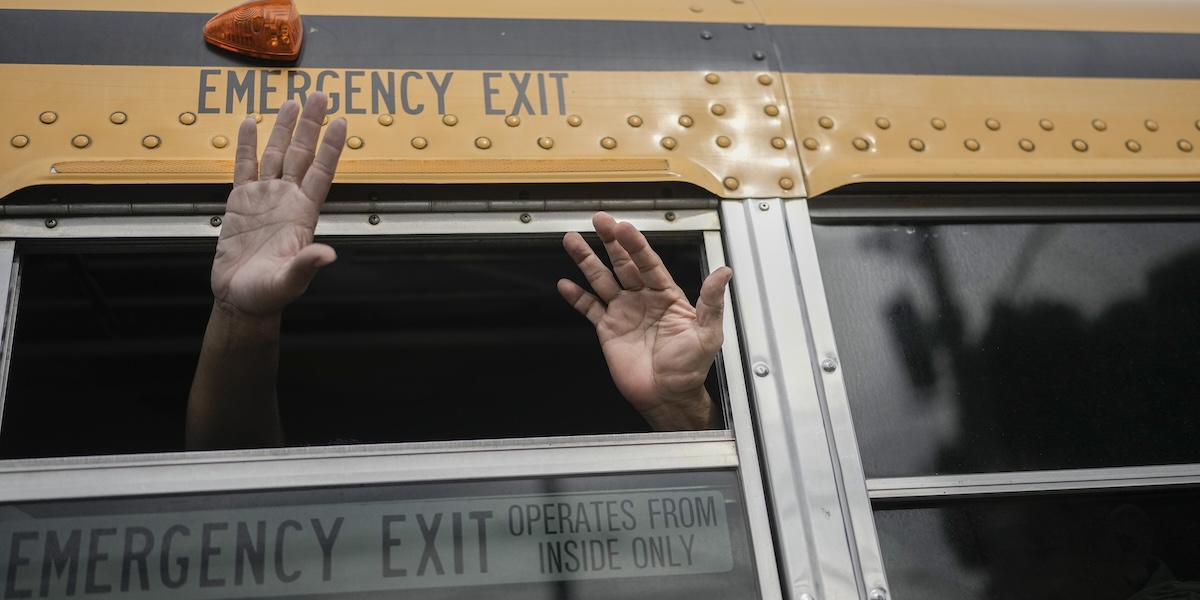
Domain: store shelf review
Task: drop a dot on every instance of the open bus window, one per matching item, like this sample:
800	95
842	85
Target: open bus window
399	340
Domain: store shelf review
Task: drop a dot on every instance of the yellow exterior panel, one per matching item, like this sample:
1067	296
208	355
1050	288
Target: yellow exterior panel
855	128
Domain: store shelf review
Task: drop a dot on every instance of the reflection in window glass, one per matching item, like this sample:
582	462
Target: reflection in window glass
673	535
1000	347
399	340
1115	546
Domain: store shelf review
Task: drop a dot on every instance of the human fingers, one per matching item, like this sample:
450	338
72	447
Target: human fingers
650	267
320	175
245	164
300	152
300	270
598	275
711	305
627	272
587	304
281	135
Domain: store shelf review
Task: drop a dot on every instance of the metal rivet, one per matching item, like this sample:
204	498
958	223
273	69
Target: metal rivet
51	223
780	143
386	120
546	143
1099	125
718	109
81	141
512	120
761	369
1185	145
706	35
759	55
686	121
450	120
373	219
1198	124
1026	145
48	117
825	123
608	143
257	117
1079	145
526	217
325	121
220	141
882	123
992	124
1151	125
786	183
20	141
187	118
877	594
749	26
1133	146
828	365
771	110
483	143
764	206
723	141
151	141
938	124
731	183
861	144
574	120
215	221
765	79
971	145
1046	124
668	143
809	143
118	118
739	1
916	144
696	9
634	121
713	78
670	216
354	142
420	143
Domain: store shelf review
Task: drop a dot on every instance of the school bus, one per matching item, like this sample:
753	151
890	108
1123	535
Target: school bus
959	343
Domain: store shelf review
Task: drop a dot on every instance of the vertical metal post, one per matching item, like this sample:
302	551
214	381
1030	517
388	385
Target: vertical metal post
10	283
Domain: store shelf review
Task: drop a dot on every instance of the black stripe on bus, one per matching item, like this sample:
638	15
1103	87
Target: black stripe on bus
175	39
987	52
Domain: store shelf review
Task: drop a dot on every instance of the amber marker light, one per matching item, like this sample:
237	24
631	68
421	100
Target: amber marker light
268	29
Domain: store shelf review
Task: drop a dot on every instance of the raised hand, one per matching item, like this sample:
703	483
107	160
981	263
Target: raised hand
658	346
265	255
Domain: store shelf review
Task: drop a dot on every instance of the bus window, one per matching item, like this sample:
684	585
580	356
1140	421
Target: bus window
437	338
674	535
975	348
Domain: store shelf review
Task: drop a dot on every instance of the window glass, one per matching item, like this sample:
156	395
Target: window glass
673	535
1118	546
430	339
1003	347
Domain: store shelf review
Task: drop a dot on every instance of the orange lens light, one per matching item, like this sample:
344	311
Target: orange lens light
268	29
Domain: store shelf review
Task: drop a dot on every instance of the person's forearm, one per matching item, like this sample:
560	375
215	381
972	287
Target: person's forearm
690	414
233	401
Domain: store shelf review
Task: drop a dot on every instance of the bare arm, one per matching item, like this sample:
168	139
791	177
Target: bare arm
658	346
265	259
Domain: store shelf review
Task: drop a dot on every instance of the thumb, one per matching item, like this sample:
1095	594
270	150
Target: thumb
711	305
299	271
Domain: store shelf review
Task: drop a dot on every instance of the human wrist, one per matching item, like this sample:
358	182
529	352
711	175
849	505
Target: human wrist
230	321
688	412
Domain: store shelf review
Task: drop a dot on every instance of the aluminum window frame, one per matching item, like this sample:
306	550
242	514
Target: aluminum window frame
220	471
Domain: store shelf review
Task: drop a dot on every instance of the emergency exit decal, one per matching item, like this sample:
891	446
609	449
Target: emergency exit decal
346	548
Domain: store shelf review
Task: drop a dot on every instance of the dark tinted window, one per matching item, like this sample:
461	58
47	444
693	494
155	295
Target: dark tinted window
998	347
1095	546
432	339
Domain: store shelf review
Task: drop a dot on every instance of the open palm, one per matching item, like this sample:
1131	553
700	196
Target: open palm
265	254
658	346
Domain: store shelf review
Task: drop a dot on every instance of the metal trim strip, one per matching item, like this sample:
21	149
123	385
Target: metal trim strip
1032	482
